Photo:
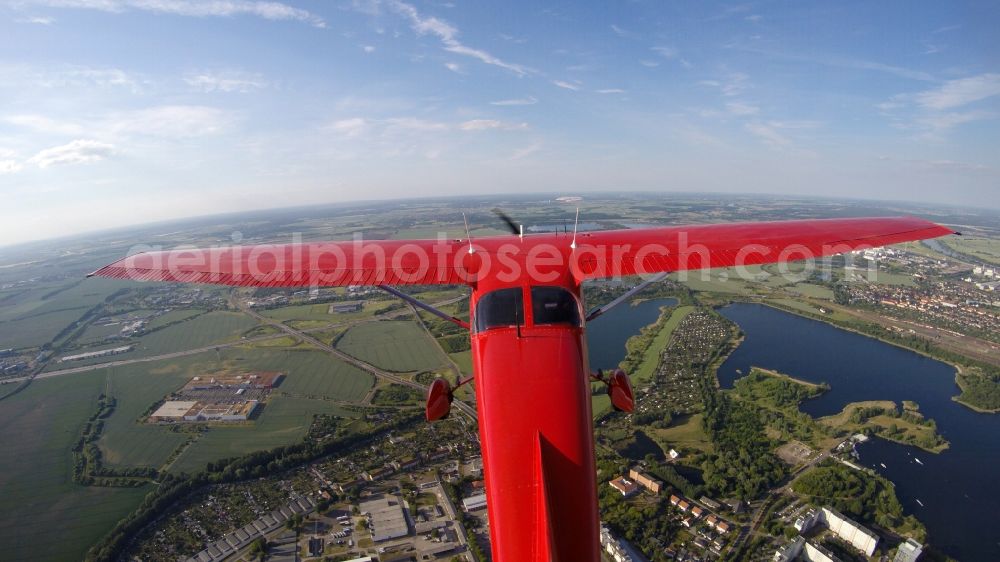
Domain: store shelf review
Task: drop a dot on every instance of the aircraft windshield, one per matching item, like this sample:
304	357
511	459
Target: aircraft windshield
500	308
554	305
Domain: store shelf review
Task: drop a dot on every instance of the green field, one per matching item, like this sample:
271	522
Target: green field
394	345
315	374
127	441
814	291
986	249
173	316
320	313
464	361
35	317
205	330
43	514
284	421
651	359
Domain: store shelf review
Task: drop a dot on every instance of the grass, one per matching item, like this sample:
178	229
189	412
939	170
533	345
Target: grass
126	440
43	514
985	249
173	316
684	434
814	291
464	361
284	421
396	345
205	330
651	359
320	312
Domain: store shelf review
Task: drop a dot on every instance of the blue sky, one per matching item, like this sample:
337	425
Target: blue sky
116	112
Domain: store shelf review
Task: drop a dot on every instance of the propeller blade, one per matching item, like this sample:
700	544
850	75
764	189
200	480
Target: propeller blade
514	229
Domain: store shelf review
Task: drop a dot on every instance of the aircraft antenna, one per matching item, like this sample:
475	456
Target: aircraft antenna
467	233
522	232
575	224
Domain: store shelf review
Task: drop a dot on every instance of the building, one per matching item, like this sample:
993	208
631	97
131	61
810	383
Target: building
472	503
683	505
854	534
386	518
650	484
616	550
908	551
100	353
674	500
697	512
626	487
346	307
172	410
674	454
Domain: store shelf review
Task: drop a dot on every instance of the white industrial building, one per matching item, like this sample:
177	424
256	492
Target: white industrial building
472	503
386	518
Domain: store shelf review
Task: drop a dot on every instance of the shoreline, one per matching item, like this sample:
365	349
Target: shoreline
958	368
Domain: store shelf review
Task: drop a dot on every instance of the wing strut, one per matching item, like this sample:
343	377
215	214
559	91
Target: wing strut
595	312
436	312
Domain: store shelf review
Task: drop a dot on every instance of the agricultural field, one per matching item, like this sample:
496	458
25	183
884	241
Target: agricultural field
173	316
315	374
813	291
985	249
36	317
319	314
204	330
284	421
43	514
394	345
127	441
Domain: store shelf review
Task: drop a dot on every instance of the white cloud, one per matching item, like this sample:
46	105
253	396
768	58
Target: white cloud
454	67
740	108
769	134
649	63
9	166
530	100
368	48
170	121
665	52
414	124
620	31
611	91
938	123
350	127
228	81
955	93
37	20
43	124
275	11
80	151
566	85
484	124
525	151
449	37
733	85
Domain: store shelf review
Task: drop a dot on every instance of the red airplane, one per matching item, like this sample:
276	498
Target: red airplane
527	316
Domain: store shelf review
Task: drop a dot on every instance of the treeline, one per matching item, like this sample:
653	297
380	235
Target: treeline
172	488
88	466
468	523
742	462
980	389
857	494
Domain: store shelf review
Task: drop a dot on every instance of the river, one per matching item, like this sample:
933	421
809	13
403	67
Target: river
959	488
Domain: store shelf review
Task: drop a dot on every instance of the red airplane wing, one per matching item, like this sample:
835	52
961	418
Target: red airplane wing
359	262
609	253
657	250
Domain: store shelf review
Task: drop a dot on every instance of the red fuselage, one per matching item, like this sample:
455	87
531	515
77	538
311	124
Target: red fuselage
536	429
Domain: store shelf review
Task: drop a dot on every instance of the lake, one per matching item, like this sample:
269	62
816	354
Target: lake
959	488
607	334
